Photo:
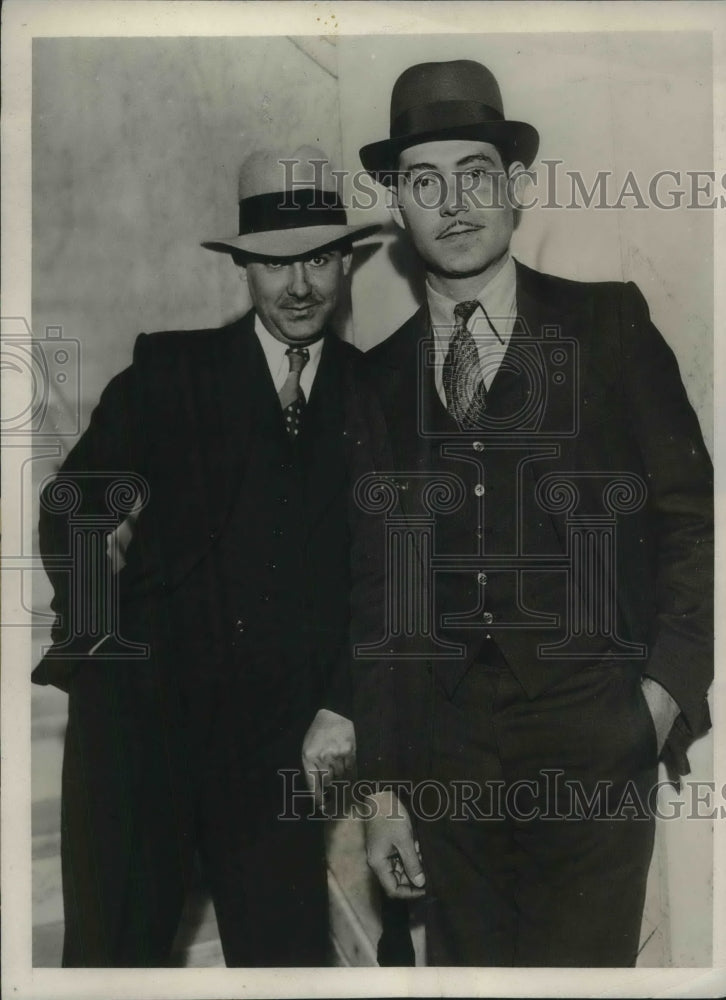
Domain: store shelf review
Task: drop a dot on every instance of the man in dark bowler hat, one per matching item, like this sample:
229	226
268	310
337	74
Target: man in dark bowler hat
535	631
188	710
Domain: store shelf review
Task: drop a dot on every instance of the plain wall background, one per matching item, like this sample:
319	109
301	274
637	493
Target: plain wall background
136	149
136	144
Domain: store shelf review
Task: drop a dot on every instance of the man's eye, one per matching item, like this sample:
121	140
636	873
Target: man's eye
273	265
319	261
423	181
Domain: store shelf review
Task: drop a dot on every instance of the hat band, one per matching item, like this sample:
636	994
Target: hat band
442	115
264	213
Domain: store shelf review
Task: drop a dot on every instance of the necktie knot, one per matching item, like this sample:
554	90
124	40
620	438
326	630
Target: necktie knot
298	358
463	311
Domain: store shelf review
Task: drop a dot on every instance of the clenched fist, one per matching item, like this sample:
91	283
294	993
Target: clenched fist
328	751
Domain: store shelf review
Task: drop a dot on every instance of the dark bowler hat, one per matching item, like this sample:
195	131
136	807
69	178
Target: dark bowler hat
288	207
448	100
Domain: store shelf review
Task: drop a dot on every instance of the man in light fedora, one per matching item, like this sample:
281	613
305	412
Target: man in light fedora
564	643
236	580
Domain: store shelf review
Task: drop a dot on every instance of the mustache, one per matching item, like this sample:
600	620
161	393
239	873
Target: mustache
309	300
458	227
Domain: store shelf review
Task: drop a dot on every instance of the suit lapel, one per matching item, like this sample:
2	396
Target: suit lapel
546	328
558	330
405	388
241	380
554	329
201	452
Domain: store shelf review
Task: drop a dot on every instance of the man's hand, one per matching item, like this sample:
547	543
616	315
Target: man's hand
118	541
391	850
663	709
328	751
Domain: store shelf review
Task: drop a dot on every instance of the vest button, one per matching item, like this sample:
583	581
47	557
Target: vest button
282	499
479	490
278	532
239	625
487	618
482	579
478	446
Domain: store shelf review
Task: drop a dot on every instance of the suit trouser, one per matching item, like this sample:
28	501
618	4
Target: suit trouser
152	775
542	866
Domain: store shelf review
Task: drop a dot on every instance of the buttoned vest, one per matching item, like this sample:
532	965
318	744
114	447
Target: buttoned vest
500	523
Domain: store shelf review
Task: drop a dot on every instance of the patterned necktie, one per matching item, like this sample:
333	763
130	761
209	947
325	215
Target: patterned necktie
292	398
466	395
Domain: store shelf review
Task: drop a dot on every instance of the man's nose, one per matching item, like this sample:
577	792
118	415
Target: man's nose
452	197
298	284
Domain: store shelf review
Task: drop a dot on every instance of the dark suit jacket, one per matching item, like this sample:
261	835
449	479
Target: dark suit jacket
183	417
631	415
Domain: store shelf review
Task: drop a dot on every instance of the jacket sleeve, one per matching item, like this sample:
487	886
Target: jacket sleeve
679	477
109	451
370	679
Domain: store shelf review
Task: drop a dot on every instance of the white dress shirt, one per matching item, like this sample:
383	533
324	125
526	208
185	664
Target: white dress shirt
279	363
499	301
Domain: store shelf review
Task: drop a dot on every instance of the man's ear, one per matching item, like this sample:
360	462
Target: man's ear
518	180
394	207
241	270
347	261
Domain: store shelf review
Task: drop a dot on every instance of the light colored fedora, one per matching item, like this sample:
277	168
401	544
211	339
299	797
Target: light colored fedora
288	206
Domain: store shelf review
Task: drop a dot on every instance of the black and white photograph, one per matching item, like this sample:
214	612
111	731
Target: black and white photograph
359	439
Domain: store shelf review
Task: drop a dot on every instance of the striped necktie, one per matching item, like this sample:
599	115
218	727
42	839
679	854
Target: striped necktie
292	398
464	389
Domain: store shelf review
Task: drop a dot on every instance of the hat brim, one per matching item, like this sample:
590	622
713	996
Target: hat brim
516	140
286	243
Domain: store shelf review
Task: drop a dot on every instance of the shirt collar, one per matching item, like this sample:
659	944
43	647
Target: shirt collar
497	297
275	349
